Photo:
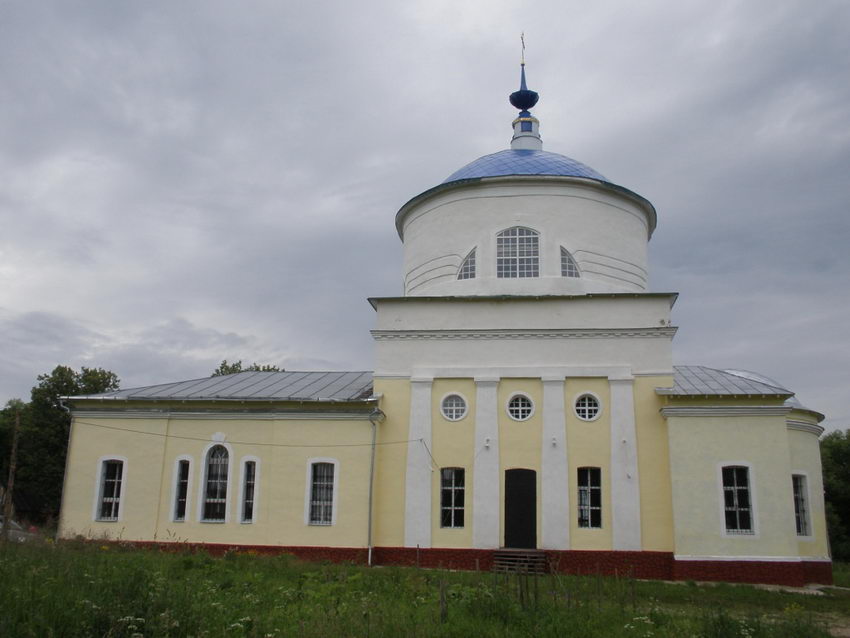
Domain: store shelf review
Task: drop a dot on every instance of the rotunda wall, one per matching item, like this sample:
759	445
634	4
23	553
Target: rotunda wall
605	232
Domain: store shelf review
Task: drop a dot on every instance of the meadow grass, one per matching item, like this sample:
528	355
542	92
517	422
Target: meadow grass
88	589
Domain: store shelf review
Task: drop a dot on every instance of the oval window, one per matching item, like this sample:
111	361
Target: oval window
587	407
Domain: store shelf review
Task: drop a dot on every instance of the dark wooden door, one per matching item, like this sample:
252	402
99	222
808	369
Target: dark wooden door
521	509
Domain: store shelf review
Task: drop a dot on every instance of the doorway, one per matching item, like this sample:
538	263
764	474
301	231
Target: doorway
521	509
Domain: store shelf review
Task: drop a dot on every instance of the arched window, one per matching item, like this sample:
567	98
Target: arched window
467	268
569	267
517	253
215	488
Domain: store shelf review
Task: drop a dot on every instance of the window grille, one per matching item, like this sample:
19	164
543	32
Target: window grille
587	407
112	473
589	497
801	505
467	268
322	494
736	500
569	267
452	496
215	494
453	407
182	490
250	474
520	407
517	253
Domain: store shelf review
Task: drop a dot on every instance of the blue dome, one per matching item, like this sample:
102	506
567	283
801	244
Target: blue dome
523	162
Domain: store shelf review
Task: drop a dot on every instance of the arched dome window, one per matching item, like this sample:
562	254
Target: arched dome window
569	267
517	253
467	268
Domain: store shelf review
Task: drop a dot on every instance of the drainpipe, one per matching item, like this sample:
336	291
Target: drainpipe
375	417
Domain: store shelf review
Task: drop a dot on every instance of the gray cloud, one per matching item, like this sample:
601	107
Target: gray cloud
186	182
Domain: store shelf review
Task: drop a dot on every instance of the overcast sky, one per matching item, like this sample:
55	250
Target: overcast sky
184	182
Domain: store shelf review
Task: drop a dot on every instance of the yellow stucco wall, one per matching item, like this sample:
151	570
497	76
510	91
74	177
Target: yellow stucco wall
391	462
283	448
589	445
699	447
805	459
656	498
453	445
519	441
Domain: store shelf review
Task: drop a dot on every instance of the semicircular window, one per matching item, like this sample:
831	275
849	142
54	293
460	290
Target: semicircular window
517	253
569	267
467	268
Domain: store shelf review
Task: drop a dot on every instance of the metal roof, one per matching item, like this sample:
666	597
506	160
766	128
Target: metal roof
703	381
523	162
255	386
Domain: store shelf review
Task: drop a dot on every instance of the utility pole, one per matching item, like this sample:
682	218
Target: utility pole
10	484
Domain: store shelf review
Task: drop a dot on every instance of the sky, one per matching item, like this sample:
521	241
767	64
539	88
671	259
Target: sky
186	182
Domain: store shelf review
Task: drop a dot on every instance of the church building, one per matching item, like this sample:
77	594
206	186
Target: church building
524	402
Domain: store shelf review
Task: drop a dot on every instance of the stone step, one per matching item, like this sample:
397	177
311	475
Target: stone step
520	561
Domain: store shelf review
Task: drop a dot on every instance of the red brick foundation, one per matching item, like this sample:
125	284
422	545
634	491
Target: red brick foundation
649	565
794	574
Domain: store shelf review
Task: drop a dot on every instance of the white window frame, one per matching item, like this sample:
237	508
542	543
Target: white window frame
516	258
589	489
570	263
256	461
465	407
581	395
98	488
807	501
203	484
174	487
453	489
751	479
466	268
508	406
308	491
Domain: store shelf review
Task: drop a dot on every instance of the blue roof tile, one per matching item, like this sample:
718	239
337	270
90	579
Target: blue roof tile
523	162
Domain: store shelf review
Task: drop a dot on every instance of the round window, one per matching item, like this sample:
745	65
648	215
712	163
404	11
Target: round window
453	407
520	407
587	407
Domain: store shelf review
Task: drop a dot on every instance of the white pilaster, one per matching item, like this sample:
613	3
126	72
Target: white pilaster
625	484
417	481
485	471
554	480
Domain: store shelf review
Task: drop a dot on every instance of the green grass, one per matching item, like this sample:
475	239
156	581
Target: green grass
841	574
86	589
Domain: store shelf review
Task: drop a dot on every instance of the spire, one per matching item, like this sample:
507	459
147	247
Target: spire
526	126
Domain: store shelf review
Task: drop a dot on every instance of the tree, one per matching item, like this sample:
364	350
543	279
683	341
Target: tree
835	455
232	368
45	425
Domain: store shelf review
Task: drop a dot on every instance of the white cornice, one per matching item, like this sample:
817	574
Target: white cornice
804	426
498	334
220	416
725	410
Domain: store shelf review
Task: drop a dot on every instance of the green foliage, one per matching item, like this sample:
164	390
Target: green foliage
232	368
91	589
45	425
835	455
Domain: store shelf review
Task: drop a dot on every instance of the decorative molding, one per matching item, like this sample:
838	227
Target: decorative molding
221	416
498	333
726	410
803	426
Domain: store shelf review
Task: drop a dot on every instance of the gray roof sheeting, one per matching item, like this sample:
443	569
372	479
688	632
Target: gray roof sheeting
703	381
255	386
